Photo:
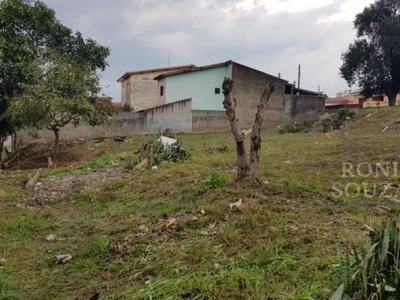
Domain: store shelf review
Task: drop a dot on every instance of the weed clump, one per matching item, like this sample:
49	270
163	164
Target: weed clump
346	115
372	272
295	128
215	181
154	152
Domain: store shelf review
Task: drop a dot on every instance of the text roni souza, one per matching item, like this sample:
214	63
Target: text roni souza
382	170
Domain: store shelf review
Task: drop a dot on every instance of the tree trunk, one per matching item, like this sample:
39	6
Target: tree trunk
246	168
56	141
256	132
392	99
230	108
3	116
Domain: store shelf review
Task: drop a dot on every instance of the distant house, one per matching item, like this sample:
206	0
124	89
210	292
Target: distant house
354	99
139	89
345	100
203	86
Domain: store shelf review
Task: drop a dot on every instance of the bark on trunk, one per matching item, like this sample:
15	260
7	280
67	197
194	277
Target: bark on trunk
230	109
3	116
256	132
392	99
56	141
246	167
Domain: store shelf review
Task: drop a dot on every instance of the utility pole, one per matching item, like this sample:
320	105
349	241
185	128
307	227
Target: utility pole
298	77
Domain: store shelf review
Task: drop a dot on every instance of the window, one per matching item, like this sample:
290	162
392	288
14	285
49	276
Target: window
162	90
217	91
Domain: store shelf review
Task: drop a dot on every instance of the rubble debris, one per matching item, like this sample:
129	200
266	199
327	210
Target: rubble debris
50	237
120	139
236	204
172	222
63	258
167	141
142	165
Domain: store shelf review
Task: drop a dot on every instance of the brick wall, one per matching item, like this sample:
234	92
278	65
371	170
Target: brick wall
143	92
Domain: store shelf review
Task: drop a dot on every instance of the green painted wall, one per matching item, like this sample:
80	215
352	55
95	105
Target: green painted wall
199	86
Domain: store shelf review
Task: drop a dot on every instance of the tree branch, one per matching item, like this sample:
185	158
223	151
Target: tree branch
230	109
257	126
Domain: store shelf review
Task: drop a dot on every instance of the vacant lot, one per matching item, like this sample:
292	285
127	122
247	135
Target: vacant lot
171	234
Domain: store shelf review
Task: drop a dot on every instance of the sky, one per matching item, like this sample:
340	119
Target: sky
273	36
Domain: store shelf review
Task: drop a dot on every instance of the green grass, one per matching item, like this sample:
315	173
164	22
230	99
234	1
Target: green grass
286	241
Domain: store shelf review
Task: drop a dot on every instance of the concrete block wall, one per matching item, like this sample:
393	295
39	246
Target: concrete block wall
176	116
209	121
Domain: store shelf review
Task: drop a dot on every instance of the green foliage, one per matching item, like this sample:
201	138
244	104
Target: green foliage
97	245
156	152
215	181
45	67
127	107
375	268
220	149
346	114
100	162
372	60
294	128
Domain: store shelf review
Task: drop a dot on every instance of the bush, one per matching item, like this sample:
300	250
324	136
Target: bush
346	115
294	128
375	269
155	152
215	181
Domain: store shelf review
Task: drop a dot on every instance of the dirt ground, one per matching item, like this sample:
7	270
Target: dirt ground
50	189
36	155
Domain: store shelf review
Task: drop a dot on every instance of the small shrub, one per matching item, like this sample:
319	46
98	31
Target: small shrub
294	128
346	115
155	152
100	162
126	107
215	181
97	245
220	149
374	272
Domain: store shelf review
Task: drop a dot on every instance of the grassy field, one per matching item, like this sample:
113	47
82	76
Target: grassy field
171	234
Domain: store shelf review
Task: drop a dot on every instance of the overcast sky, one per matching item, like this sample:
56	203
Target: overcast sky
273	36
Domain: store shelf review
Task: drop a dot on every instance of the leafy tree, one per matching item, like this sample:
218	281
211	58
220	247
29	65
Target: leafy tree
373	60
30	35
66	93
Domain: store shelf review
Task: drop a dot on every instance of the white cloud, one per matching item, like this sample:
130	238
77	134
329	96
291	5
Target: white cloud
270	35
348	9
279	6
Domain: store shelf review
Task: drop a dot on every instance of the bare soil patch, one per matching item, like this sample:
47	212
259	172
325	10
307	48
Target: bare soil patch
36	155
